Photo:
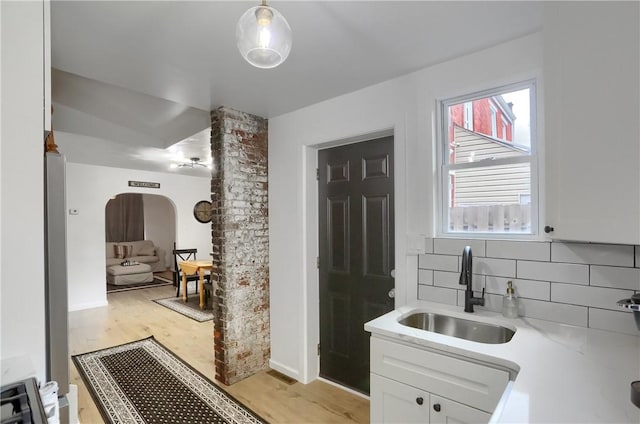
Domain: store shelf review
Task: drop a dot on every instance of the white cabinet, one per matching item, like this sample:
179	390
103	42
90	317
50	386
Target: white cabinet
591	126
416	385
445	411
394	402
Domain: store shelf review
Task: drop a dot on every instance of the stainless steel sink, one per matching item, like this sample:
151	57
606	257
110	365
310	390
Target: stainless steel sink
457	327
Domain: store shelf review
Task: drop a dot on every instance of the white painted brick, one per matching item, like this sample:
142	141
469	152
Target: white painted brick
452	280
615	277
496	267
437	294
531	289
594	254
597	297
554	272
618	321
456	246
425	276
438	262
556	312
529	250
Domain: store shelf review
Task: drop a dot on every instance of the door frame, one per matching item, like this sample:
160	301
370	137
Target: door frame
309	360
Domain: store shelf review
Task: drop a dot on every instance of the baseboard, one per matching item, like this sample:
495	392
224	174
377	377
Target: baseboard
289	372
346	389
90	305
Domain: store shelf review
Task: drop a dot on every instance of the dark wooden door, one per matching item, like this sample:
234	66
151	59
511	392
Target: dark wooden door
356	254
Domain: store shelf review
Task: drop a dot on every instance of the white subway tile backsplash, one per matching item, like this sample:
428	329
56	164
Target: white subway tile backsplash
531	289
597	297
572	283
554	272
429	245
615	277
618	321
425	276
594	254
438	262
529	250
452	280
492	302
456	246
557	312
446	279
497	267
438	294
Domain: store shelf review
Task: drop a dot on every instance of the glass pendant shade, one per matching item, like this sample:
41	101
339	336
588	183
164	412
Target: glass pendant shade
263	36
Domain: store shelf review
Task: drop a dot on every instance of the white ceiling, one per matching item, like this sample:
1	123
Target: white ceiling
144	75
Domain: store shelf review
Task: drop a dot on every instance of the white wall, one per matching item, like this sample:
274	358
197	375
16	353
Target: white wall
159	224
405	105
22	332
89	188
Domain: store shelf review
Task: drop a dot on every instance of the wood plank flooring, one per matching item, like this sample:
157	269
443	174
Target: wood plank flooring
132	316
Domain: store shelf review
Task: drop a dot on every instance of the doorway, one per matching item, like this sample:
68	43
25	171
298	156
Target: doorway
356	254
147	221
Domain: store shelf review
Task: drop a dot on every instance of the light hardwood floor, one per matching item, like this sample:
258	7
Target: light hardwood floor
132	316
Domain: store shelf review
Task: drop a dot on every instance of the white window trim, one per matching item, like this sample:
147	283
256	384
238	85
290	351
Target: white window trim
494	120
467	115
443	168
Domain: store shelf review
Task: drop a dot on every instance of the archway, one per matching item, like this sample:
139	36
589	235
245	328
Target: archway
152	242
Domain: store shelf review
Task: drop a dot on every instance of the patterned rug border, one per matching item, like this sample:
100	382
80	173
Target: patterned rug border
136	343
176	304
157	282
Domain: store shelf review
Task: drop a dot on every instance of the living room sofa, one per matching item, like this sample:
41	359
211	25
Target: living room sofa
143	251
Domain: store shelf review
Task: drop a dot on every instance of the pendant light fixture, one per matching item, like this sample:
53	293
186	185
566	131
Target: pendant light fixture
263	36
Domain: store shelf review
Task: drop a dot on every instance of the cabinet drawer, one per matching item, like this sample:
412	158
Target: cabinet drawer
473	384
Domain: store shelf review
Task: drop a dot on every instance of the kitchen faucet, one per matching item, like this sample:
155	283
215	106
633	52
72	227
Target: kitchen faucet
465	280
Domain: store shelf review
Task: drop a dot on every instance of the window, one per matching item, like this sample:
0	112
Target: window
468	115
489	185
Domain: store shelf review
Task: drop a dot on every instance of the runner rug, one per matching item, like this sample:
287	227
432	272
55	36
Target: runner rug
144	382
189	309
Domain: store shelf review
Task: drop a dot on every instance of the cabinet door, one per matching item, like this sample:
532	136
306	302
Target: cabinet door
443	411
394	402
591	122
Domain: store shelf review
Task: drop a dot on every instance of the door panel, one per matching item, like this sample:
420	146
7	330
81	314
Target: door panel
338	233
356	237
375	235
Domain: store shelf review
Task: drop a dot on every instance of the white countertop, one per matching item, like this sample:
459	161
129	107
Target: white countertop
565	374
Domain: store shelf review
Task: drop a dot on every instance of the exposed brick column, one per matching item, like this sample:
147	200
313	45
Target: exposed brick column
240	238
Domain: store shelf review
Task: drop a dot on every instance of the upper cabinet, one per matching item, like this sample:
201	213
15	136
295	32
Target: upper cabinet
592	120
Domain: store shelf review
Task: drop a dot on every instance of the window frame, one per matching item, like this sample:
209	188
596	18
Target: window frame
443	167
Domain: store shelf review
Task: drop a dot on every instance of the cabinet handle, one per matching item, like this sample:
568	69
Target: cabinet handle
436	407
419	401
548	229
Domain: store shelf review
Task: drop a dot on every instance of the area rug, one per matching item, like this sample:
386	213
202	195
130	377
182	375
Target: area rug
157	282
189	309
144	382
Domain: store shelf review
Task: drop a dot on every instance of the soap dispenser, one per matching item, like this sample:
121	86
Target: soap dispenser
510	302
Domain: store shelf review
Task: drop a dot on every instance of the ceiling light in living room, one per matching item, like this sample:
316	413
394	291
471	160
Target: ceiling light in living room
263	36
194	162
